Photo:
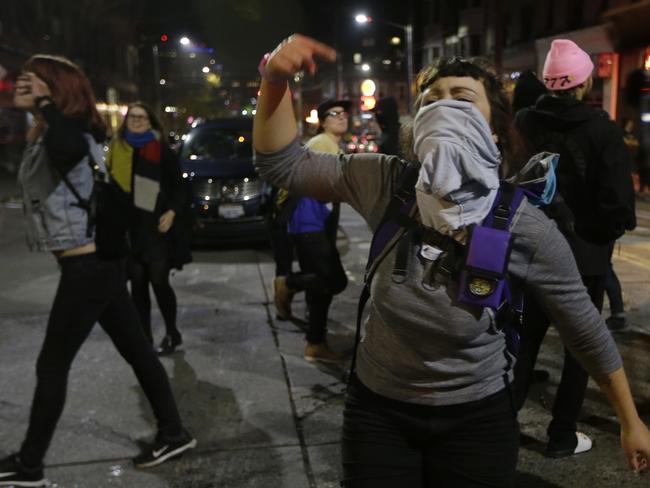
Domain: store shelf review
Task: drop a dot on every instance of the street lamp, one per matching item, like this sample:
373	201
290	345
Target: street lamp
185	41
362	19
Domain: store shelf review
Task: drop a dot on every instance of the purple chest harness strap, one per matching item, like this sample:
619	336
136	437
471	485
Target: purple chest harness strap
481	267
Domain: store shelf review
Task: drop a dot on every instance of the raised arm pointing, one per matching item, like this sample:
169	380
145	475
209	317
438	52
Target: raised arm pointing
275	125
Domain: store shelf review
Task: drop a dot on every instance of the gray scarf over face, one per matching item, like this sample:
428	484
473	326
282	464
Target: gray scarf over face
459	177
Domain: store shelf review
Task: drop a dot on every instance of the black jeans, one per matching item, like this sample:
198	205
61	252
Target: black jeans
388	444
321	277
573	384
92	290
614	292
153	269
281	245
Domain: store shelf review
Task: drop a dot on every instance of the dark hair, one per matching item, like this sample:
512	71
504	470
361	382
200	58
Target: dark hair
154	121
71	90
528	90
509	143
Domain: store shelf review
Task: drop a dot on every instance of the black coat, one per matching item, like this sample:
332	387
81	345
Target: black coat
593	175
174	195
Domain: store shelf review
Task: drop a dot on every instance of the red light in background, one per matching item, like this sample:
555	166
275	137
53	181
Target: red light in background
605	65
6	85
368	102
164	38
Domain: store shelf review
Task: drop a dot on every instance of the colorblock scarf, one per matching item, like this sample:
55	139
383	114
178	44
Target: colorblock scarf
120	155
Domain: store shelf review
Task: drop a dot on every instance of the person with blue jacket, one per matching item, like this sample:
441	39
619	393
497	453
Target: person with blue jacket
312	226
66	137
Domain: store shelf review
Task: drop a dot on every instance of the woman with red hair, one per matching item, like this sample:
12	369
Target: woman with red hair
55	173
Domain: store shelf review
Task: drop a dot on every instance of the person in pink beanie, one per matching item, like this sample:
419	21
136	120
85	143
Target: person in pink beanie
593	206
567	66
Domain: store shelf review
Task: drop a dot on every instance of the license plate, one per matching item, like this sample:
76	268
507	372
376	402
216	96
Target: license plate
231	211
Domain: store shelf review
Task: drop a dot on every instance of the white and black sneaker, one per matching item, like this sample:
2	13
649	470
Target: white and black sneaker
568	446
14	473
164	449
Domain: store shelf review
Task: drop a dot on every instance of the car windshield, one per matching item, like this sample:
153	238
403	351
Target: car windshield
211	143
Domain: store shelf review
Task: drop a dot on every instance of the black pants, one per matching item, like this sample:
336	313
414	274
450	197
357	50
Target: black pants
153	269
321	277
614	292
388	444
573	384
92	290
281	244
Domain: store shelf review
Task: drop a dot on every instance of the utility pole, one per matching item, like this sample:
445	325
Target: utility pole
498	35
409	62
156	80
339	56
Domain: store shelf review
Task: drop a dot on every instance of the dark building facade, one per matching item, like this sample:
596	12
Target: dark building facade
517	34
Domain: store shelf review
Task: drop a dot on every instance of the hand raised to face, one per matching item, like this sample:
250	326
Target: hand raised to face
28	88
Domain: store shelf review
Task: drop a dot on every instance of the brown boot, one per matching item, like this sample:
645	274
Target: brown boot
322	352
282	296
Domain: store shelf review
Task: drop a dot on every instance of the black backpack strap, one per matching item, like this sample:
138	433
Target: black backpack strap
402	258
508	200
285	212
363	299
502	210
397	215
87	204
81	202
396	218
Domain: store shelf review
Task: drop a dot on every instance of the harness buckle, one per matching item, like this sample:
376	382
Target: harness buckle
403	195
501	215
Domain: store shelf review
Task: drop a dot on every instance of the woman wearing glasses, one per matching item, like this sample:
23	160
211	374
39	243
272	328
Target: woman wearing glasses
312	226
147	169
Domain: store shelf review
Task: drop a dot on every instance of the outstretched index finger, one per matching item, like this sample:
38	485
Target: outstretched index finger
321	50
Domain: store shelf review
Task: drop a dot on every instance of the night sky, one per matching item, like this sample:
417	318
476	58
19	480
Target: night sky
241	31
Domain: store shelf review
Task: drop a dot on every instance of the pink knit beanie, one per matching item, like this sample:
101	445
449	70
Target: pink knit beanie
566	65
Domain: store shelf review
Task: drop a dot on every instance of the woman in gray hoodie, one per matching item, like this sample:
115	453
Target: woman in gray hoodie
430	402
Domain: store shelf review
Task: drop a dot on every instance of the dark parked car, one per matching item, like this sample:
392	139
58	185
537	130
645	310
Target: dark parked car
228	199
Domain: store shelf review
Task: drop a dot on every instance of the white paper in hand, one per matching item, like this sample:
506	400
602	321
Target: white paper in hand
145	192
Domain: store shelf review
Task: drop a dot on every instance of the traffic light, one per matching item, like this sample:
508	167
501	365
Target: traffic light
164	38
368	100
